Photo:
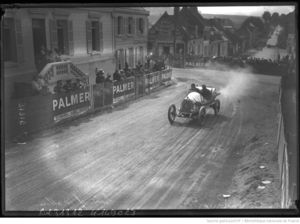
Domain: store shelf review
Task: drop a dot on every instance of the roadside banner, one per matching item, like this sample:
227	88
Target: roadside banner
155	80
71	104
166	75
123	90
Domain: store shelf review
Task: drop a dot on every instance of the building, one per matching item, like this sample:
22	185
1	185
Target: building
162	38
88	37
130	35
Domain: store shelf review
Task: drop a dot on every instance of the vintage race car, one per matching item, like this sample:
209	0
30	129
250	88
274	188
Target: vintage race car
195	110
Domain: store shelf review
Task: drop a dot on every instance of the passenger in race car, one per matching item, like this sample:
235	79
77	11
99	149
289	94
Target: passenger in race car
206	93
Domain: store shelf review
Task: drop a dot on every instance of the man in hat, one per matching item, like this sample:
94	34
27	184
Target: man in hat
99	76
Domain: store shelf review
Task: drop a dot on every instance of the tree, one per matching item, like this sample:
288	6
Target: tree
275	18
266	16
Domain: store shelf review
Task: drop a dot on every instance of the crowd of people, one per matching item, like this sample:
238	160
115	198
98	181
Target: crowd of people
258	65
69	85
46	56
150	66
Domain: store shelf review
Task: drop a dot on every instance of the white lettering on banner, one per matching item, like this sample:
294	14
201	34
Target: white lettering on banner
61	103
54	104
81	98
74	99
123	87
70	100
86	96
67	103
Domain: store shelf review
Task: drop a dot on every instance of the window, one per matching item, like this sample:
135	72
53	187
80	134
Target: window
94	36
9	38
130	25
141	25
61	36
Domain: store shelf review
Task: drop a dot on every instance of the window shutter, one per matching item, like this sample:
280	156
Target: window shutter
123	25
19	41
53	34
89	36
101	36
137	25
133	26
65	36
116	25
70	36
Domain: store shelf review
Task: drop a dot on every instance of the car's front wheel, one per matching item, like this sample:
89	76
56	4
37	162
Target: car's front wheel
172	114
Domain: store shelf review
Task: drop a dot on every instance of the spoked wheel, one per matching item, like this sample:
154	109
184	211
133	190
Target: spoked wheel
172	114
201	114
217	107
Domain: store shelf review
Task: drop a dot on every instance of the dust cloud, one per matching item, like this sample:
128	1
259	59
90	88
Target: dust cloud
237	82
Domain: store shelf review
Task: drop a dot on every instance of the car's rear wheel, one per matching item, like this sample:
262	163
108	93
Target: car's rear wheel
217	106
172	114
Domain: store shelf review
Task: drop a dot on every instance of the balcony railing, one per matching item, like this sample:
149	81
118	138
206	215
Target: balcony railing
56	70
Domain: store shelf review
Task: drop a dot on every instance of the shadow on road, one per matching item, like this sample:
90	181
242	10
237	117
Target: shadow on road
209	121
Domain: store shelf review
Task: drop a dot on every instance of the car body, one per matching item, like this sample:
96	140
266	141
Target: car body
195	110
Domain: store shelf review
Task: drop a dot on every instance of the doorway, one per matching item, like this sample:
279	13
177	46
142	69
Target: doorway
39	38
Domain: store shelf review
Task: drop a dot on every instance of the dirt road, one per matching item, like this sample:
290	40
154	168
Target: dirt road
132	158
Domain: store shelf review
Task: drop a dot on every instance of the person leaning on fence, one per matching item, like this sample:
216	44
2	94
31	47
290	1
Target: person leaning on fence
77	85
116	76
36	85
108	78
59	87
99	76
68	86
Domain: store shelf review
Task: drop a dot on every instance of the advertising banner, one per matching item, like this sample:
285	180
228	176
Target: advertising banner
155	80
71	104
123	90
166	75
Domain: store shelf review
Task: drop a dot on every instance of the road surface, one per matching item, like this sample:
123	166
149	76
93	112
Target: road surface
132	158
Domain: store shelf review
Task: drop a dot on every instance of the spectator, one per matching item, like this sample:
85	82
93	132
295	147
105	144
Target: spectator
58	89
36	85
68	86
108	78
116	76
99	76
122	74
42	58
77	85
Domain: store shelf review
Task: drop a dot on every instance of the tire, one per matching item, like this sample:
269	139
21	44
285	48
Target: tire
217	106
201	114
172	114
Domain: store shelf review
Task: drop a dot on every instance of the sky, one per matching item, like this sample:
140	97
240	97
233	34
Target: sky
245	10
231	10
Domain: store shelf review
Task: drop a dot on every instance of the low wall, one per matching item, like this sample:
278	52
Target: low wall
34	113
